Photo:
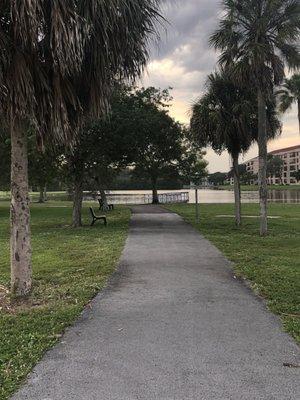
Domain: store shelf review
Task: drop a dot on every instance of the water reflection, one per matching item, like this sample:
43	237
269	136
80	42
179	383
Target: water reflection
227	196
284	196
217	196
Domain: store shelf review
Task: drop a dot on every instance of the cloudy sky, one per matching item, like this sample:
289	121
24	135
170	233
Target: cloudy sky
183	59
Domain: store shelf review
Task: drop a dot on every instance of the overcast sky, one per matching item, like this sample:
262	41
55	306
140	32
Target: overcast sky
183	59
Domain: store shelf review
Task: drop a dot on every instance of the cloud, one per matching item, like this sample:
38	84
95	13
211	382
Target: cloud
183	59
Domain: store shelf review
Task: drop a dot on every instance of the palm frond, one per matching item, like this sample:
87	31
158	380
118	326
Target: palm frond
261	36
59	58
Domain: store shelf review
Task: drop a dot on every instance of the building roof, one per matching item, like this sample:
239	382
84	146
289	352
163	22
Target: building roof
285	150
278	151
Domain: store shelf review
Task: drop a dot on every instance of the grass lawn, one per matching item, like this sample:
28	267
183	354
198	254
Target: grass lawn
70	266
272	264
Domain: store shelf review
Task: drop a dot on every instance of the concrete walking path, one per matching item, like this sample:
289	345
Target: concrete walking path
173	324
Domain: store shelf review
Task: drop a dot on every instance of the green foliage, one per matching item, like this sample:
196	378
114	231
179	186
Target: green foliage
159	137
274	166
68	272
225	118
272	263
192	166
78	48
245	176
257	38
290	92
217	178
296	175
43	166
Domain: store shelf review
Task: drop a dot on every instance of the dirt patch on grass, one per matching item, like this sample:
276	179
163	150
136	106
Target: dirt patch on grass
4	299
11	305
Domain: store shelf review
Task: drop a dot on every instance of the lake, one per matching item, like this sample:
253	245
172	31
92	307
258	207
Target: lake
211	196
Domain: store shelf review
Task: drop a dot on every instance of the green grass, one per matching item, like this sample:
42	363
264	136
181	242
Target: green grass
253	188
271	264
70	266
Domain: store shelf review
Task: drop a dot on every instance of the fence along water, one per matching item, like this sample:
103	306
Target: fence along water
146	198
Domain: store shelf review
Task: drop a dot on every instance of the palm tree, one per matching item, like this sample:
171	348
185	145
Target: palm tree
57	60
259	37
225	118
290	94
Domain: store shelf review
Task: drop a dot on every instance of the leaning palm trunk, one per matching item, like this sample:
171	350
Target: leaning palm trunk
77	203
237	189
21	270
262	173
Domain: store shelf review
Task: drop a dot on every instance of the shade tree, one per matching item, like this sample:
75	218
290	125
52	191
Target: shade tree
275	166
159	137
217	178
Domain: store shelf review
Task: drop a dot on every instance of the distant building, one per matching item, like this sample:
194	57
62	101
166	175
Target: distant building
291	158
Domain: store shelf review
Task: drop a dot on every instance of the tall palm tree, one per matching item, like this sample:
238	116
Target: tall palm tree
57	60
225	118
260	37
290	94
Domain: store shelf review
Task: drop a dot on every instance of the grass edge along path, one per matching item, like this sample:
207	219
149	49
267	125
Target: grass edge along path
270	264
70	266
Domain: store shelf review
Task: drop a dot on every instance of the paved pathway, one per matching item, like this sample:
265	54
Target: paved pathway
173	325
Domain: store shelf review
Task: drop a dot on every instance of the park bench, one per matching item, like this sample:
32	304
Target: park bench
97	217
101	206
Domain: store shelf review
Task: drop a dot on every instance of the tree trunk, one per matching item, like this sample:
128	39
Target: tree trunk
237	189
299	112
45	193
41	196
70	194
155	199
20	250
77	202
104	199
262	173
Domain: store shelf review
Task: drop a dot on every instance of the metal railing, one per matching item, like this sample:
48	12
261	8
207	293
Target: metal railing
164	198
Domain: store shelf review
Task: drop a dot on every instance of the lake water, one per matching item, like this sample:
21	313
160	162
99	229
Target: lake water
215	196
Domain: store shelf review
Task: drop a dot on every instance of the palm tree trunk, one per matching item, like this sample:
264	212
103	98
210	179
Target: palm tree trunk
20	243
237	189
298	102
77	202
262	173
104	199
155	199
